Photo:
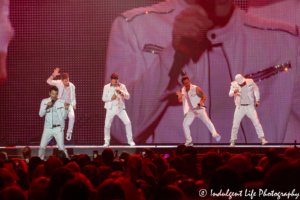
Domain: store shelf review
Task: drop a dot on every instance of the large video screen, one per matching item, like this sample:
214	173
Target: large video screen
90	40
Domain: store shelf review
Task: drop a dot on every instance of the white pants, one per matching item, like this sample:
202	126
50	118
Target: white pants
110	114
189	118
238	116
71	117
48	134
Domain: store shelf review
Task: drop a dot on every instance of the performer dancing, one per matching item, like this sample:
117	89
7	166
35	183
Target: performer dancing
56	112
114	95
66	93
192	99
243	89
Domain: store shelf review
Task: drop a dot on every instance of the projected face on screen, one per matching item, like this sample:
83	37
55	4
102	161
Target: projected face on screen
149	51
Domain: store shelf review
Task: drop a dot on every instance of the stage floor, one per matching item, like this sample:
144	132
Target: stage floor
16	151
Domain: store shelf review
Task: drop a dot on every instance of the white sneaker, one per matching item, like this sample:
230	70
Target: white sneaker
69	136
217	137
189	143
232	143
263	141
106	145
131	143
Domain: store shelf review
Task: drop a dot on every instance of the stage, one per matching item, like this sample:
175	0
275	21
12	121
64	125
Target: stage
16	151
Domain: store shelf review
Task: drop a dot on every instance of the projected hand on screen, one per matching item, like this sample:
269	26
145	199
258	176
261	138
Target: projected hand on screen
190	28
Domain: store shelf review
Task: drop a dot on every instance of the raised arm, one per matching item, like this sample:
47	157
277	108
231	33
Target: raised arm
50	80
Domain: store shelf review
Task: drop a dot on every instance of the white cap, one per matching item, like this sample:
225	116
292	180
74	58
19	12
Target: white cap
240	79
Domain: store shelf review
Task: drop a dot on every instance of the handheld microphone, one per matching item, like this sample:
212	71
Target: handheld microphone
53	102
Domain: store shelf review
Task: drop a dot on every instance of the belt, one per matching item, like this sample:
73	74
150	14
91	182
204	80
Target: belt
55	126
245	104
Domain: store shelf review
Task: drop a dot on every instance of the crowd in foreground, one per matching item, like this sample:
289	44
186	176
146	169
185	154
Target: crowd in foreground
182	175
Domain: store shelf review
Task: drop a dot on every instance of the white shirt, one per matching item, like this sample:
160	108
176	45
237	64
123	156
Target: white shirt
66	95
55	120
244	95
117	100
109	91
189	102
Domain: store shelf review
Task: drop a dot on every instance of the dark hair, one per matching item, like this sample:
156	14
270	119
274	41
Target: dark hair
114	76
61	154
107	156
26	151
53	88
184	78
51	164
64	76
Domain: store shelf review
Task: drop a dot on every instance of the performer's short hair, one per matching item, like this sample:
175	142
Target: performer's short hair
114	76
53	88
184	78
64	76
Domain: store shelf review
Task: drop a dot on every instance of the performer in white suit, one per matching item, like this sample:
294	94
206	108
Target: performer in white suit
114	95
244	91
67	93
55	112
192	99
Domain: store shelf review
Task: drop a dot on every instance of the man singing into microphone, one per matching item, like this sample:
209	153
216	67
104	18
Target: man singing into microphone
67	93
114	95
192	99
55	112
243	89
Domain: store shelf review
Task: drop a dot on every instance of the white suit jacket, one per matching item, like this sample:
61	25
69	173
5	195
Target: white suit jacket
60	85
252	91
61	111
109	91
140	50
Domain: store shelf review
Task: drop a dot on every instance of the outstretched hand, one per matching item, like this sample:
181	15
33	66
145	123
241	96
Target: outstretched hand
56	72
